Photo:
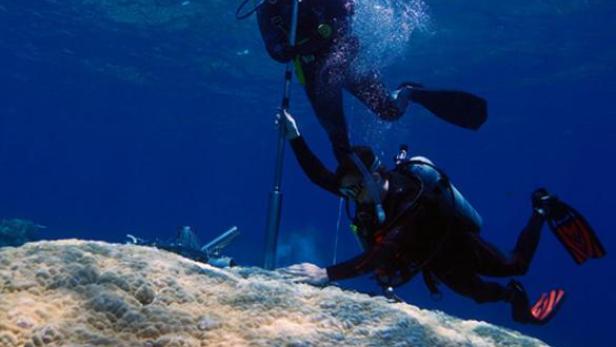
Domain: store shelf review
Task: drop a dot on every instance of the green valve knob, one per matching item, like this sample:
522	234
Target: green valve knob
325	30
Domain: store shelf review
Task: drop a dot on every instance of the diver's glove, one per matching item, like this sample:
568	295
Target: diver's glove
307	273
543	202
284	118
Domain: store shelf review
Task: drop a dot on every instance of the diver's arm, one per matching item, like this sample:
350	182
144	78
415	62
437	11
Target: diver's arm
378	256
276	42
368	261
313	167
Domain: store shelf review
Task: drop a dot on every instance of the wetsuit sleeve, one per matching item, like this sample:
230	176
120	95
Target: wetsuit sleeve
313	167
375	257
276	41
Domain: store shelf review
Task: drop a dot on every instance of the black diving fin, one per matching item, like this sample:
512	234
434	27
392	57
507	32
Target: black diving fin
456	107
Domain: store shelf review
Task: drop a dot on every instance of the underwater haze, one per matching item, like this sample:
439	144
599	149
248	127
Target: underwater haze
140	116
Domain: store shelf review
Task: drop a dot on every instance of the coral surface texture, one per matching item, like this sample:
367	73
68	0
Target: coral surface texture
82	293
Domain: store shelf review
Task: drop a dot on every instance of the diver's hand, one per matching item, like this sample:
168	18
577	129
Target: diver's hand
307	273
284	118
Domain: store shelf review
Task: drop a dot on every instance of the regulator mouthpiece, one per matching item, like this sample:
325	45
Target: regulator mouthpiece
373	190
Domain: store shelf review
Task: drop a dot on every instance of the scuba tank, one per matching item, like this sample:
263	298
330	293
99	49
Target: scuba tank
439	189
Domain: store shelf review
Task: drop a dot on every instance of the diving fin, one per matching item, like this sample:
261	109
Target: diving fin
547	306
541	312
573	231
456	107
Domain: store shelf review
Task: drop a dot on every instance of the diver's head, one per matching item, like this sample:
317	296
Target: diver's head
351	181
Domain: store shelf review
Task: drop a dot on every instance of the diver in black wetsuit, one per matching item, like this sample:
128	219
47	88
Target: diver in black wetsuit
430	228
324	57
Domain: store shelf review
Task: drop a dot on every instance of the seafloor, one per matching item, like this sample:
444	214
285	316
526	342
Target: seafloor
83	293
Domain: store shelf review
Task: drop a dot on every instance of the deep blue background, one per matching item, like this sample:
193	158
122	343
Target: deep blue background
115	122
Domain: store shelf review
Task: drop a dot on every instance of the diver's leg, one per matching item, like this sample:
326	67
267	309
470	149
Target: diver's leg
325	95
471	285
528	241
491	262
370	90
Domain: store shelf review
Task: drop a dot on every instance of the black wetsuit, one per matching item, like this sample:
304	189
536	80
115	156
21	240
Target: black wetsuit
424	239
327	62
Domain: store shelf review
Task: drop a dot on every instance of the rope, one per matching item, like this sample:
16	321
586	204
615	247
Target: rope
240	14
338	230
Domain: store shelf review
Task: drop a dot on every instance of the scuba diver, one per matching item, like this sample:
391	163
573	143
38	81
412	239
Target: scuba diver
324	56
431	228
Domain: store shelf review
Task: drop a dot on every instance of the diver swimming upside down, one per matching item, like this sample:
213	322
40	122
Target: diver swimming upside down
431	228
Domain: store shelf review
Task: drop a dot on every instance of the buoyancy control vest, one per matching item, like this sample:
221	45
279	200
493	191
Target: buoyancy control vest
435	189
438	189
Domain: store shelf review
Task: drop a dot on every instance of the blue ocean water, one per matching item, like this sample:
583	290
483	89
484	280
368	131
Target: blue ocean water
141	116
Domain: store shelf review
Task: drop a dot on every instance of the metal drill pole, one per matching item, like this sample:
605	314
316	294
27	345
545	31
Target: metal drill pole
275	196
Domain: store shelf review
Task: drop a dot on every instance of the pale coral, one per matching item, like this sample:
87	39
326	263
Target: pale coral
69	293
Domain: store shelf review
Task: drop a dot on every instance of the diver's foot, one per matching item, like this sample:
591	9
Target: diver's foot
543	202
405	90
519	301
411	85
401	98
404	94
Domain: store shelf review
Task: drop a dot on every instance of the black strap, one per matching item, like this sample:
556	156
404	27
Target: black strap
407	206
429	278
432	284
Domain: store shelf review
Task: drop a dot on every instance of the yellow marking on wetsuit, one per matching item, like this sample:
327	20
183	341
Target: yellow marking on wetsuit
299	71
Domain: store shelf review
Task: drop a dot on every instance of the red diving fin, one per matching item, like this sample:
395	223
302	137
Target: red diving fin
574	233
547	306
